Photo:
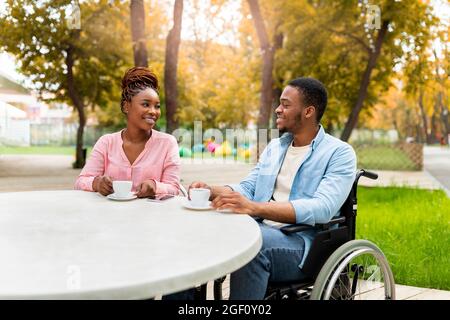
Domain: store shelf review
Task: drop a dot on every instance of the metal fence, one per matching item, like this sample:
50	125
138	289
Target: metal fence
64	134
390	156
379	154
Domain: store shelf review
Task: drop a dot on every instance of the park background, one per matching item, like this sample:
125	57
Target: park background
224	62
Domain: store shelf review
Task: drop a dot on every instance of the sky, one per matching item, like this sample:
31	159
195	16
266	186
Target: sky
230	15
196	21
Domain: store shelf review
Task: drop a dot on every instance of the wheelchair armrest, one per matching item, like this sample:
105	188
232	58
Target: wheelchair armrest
332	222
292	228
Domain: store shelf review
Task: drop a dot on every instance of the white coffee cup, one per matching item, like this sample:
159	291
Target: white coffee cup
122	188
199	196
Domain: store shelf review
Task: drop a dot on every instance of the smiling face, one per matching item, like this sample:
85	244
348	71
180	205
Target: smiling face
144	109
292	114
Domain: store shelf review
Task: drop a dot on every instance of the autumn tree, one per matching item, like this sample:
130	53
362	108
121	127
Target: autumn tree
342	44
267	49
419	83
427	77
79	63
442	77
156	28
137	19
218	71
170	67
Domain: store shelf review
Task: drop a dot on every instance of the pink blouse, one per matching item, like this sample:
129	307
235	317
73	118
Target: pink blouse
159	161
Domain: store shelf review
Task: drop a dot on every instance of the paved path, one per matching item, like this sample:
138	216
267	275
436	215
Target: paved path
36	172
402	292
437	163
44	172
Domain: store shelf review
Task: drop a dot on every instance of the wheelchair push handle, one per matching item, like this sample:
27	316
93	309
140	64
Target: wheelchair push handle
369	174
363	173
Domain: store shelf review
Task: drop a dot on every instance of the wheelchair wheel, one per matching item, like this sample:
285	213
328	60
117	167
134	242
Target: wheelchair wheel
357	270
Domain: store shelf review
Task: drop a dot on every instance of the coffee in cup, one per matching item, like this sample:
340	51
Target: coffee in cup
199	196
122	188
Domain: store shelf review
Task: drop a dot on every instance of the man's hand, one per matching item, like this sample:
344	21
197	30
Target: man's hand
199	184
236	202
146	189
103	185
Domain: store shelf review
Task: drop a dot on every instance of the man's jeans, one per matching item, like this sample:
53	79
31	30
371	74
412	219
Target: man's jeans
277	261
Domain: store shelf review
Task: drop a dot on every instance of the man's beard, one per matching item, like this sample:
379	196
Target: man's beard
299	123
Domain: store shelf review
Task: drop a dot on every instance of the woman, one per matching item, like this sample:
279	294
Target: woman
137	153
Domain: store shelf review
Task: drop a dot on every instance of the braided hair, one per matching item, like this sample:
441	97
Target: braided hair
134	81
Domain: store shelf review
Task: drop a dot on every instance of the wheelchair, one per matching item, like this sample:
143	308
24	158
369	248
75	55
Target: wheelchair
337	267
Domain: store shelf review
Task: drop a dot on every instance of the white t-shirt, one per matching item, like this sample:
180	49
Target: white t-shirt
292	161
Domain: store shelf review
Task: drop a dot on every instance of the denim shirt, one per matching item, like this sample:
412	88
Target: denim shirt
321	184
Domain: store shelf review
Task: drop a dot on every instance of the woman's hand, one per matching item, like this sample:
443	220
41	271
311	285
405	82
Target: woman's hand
146	189
236	202
103	185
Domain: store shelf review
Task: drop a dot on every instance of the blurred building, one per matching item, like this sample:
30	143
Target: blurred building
24	120
14	126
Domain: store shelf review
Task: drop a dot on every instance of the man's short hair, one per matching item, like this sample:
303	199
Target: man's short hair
314	94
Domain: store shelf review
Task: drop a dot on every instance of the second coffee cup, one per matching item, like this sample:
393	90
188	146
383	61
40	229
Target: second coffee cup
199	196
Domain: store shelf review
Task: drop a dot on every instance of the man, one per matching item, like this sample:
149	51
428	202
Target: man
302	177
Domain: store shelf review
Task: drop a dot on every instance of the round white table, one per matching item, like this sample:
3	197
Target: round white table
80	245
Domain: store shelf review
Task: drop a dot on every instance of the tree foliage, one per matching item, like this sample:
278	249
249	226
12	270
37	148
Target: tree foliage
220	83
80	65
331	41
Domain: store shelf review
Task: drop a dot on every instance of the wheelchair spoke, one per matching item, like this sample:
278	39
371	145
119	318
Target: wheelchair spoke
359	276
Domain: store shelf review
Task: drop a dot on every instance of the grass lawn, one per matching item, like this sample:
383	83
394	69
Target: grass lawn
383	158
412	228
58	150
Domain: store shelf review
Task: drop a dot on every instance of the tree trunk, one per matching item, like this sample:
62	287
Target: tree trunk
434	126
276	101
277	91
397	128
423	116
365	81
170	67
80	159
419	136
137	15
445	121
268	52
443	109
440	108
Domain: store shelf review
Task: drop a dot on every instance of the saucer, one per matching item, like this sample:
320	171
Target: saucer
188	205
130	196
